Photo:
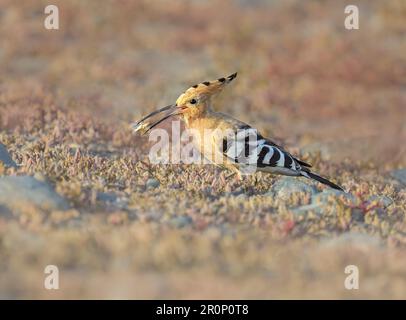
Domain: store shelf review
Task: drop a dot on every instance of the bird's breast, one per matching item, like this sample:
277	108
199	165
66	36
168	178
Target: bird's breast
207	136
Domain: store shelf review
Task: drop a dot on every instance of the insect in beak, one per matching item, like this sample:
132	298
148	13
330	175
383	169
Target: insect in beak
148	122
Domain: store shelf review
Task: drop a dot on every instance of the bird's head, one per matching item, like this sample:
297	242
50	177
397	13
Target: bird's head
196	100
193	103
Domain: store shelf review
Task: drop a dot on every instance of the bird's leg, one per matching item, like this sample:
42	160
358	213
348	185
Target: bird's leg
231	175
234	172
239	176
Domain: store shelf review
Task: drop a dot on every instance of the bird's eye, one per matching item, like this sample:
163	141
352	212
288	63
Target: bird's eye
193	101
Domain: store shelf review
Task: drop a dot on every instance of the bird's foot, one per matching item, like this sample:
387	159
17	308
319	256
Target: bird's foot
239	176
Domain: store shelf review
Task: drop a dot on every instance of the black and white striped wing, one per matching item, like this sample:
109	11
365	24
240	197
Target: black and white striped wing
248	148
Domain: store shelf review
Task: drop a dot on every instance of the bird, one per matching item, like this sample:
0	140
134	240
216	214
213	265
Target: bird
236	145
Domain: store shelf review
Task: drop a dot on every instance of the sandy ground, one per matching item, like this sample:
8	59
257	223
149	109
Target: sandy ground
119	227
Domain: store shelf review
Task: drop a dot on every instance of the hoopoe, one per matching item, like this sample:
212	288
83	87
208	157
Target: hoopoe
194	106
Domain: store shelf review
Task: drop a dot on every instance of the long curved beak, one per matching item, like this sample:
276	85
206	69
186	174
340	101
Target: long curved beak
148	122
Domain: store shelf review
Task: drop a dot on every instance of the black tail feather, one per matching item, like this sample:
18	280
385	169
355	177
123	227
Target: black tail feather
305	164
316	177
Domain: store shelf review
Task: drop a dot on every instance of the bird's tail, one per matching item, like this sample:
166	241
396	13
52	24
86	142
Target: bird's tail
311	175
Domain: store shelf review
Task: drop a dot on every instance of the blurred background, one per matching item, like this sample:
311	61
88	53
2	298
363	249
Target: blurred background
67	97
302	75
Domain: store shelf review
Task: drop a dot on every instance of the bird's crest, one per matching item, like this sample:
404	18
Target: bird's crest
206	89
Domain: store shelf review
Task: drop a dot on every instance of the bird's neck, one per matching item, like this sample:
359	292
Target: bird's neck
196	114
